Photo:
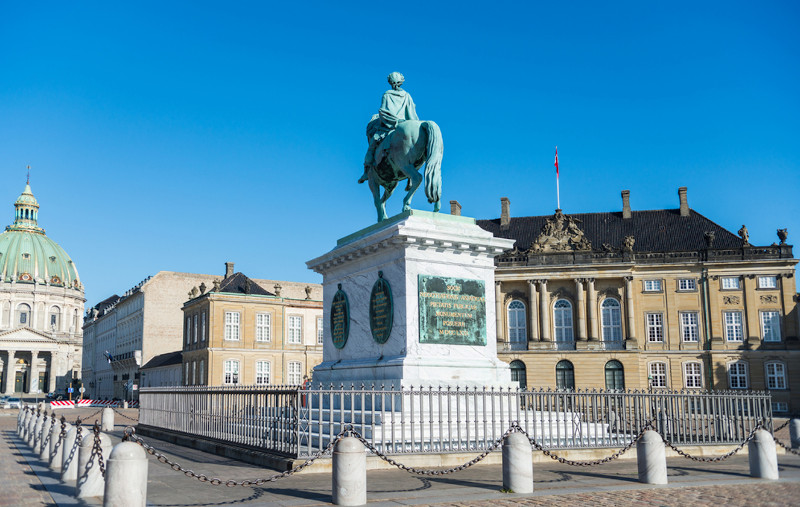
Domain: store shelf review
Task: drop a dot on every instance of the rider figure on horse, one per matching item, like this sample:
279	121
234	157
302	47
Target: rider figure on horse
396	106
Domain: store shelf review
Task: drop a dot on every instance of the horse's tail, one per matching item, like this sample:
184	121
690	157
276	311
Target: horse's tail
433	164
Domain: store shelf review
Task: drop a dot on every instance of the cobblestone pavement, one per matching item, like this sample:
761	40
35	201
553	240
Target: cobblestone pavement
612	484
19	485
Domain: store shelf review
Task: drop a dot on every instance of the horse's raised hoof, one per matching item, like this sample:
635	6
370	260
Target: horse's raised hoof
437	206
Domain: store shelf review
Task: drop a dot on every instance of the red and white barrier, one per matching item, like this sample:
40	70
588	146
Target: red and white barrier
61	404
90	403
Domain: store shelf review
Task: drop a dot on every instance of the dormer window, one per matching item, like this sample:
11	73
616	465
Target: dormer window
26	256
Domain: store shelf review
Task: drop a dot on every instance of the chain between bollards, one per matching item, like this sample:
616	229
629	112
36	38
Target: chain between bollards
97	449
714	459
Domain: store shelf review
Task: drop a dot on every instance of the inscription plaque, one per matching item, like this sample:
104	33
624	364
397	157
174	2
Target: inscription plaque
381	309
452	311
340	318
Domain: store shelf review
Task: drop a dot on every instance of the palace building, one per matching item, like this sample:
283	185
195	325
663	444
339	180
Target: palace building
657	299
238	332
41	307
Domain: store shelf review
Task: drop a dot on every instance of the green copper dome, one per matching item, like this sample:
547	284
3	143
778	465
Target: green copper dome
28	255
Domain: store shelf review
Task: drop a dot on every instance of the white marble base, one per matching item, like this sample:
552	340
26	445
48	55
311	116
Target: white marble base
402	248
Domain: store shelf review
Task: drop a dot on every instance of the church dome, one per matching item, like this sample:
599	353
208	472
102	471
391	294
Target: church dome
27	255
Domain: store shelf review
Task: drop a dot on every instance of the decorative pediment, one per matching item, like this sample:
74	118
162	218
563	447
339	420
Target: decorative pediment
24	335
561	233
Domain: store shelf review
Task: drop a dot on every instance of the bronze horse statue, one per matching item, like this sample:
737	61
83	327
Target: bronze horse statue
400	156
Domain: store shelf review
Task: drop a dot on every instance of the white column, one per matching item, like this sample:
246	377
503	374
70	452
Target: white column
581	309
593	329
544	310
51	372
533	322
33	383
10	372
629	307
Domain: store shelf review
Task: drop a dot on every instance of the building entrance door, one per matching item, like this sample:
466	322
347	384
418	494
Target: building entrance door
21	381
43	385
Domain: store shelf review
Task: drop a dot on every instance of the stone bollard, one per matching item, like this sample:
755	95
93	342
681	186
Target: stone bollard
651	458
23	425
36	438
124	404
763	456
29	428
349	477
90	480
107	422
44	446
794	433
56	445
517	464
126	476
69	455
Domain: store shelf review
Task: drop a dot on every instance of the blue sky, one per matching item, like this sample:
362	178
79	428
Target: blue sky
180	135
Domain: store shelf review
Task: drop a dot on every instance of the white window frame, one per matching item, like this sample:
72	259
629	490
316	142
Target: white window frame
188	329
687	284
734	331
263	327
611	320
658	379
770	325
690	327
194	325
194	373
186	373
203	328
563	331
652	285
232	320
294	373
320	331
517	333
294	331
655	327
231	372
263	373
775	375
738	375
768	282
693	375
780	407
733	281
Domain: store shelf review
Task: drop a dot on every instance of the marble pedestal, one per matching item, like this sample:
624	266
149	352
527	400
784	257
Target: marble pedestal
401	250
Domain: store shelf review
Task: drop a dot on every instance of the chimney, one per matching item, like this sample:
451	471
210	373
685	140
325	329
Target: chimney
505	213
455	208
626	204
684	202
228	269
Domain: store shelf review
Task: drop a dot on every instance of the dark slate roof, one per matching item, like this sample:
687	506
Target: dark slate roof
168	359
237	284
653	230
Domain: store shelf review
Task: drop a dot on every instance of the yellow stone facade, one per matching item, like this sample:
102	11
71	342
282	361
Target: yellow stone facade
249	339
716	317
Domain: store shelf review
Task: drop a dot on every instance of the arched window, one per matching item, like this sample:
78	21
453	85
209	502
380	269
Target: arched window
518	373
565	375
612	321
516	321
24	315
615	376
562	319
54	318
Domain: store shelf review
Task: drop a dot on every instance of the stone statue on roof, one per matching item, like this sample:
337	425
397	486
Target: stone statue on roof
745	235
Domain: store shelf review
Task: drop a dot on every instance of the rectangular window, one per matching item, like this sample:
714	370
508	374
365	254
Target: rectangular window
262	373
188	330
231	325
692	375
203	328
689	326
733	326
202	371
186	374
194	333
780	407
295	329
231	371
658	374
263	327
53	320
687	284
737	375
767	282
730	283
652	285
23	318
194	372
655	327
320	331
771	326
295	371
776	376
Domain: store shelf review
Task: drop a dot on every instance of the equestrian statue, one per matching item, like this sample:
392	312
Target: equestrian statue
399	144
